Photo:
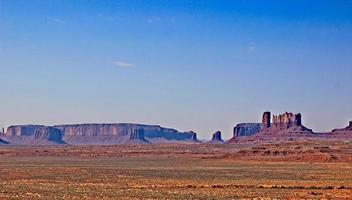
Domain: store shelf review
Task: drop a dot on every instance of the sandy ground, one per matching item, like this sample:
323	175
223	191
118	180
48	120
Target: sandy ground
178	172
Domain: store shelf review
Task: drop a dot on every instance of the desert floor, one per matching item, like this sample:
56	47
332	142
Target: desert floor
176	172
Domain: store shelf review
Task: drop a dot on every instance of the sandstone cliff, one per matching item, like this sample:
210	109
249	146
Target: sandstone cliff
246	129
287	120
137	137
98	134
33	135
266	120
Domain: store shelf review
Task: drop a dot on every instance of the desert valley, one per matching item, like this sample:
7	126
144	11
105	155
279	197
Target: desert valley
275	159
175	100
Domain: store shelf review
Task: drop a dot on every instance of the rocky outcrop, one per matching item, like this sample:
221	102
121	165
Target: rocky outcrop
284	125
287	120
216	139
33	135
194	136
246	129
266	120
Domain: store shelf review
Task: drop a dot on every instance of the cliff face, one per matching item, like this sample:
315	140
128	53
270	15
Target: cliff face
120	133
287	120
95	134
137	137
246	129
266	120
33	134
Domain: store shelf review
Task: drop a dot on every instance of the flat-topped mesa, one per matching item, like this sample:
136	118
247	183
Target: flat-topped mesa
95	134
246	129
216	139
287	120
34	134
120	133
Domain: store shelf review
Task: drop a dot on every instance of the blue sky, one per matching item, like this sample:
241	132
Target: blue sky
189	65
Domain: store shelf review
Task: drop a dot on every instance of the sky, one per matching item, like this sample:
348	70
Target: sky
189	65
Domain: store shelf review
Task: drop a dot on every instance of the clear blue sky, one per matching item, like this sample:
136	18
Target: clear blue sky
189	65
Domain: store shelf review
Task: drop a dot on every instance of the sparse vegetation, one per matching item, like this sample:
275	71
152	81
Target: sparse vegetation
165	172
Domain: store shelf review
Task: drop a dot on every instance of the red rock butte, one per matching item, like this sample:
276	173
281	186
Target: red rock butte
286	124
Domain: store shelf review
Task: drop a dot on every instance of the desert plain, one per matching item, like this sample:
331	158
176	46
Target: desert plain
291	170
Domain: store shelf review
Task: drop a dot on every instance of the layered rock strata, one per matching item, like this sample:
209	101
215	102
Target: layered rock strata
33	135
95	134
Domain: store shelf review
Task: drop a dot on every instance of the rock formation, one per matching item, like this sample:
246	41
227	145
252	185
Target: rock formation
33	135
194	136
97	134
216	139
157	134
266	121
286	120
287	125
246	129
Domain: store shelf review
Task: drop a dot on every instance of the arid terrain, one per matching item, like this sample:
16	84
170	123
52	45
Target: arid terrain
296	170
